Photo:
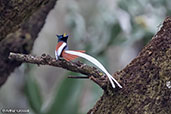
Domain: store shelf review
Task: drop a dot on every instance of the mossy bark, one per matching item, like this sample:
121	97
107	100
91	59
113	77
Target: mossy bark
20	23
146	81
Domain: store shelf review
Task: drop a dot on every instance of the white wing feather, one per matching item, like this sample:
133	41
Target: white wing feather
59	52
95	62
56	55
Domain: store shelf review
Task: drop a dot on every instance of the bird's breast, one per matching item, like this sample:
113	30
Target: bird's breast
60	48
59	45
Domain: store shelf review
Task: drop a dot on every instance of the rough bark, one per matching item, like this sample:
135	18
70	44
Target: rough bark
20	23
15	12
146	81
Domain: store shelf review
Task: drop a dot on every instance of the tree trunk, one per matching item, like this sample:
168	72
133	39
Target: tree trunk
20	23
146	81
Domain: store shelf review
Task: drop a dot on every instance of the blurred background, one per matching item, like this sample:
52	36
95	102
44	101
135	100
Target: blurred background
113	31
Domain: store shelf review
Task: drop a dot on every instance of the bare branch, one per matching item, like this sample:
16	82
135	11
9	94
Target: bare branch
92	73
79	77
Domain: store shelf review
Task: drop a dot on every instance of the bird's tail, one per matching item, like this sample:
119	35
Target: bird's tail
95	62
70	57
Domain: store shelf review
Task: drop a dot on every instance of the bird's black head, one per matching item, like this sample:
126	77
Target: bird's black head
62	37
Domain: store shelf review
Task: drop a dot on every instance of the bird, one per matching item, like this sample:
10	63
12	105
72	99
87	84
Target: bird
69	55
62	46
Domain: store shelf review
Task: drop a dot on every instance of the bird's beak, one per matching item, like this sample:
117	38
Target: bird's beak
65	35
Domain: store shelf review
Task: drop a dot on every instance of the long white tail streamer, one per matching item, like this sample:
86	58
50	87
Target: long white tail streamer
95	62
